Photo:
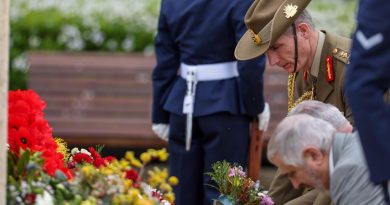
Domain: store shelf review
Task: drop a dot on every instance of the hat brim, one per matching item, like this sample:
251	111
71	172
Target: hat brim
246	49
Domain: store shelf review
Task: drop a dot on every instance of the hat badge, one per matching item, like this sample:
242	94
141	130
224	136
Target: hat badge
290	10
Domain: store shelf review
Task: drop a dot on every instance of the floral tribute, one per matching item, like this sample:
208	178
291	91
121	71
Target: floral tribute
41	170
29	130
235	187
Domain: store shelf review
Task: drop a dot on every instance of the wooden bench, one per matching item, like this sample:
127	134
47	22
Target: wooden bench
102	98
96	98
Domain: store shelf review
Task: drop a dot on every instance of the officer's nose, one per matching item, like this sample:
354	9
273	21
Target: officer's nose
272	57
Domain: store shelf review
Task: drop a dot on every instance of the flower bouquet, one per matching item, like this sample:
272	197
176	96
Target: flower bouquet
41	170
235	187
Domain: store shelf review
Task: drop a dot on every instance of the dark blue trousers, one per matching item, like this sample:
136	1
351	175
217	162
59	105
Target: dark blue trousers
386	191
215	137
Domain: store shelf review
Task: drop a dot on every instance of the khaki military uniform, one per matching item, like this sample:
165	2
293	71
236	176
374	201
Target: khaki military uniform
281	189
337	48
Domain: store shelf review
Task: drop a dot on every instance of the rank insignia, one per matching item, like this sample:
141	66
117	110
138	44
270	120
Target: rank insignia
341	55
329	69
290	10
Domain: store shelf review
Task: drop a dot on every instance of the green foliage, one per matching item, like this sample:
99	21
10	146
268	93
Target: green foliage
235	187
220	171
334	15
51	26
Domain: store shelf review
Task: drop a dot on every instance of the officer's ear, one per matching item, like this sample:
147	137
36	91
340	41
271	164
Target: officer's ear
304	30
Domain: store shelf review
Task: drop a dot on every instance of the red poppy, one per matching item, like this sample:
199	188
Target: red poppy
82	158
28	129
131	174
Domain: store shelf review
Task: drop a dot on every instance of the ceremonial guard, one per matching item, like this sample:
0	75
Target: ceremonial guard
367	79
203	99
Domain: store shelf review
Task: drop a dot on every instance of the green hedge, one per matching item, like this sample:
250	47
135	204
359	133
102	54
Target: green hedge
42	25
115	26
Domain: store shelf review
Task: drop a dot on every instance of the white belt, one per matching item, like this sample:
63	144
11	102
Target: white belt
215	71
194	73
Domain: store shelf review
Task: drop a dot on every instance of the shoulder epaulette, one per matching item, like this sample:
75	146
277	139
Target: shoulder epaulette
341	55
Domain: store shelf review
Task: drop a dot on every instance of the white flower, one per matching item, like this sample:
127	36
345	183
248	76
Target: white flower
128	43
84	151
260	194
34	41
112	44
74	151
20	62
44	199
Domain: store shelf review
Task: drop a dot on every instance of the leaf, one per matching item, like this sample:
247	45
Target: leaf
23	160
60	175
11	163
99	148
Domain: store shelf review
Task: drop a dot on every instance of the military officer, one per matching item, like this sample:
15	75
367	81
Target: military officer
283	29
203	98
368	77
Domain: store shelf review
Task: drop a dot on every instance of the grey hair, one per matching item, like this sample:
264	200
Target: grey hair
304	17
296	132
323	111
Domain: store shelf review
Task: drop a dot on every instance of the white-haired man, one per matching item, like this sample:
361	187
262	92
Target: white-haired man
324	111
281	188
310	152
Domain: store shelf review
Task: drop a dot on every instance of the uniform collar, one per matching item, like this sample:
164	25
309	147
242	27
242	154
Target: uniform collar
315	66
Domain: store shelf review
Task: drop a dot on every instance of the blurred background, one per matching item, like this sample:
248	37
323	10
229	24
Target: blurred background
114	26
68	51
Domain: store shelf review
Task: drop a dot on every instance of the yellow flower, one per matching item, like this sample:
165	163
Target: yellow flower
88	170
106	171
128	183
162	155
136	163
124	164
129	155
62	147
164	173
143	201
152	152
89	201
116	200
173	180
165	187
145	157
134	193
122	199
170	197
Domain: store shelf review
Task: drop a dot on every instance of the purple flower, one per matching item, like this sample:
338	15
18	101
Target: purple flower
266	200
236	171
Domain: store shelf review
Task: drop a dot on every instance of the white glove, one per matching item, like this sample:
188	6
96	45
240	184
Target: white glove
264	118
162	131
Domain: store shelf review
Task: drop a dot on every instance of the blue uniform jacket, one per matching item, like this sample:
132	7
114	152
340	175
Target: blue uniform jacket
204	32
367	79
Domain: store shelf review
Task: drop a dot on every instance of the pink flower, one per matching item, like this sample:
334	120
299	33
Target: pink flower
266	200
237	171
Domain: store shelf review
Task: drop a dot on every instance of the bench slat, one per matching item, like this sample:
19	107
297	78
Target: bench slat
105	98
